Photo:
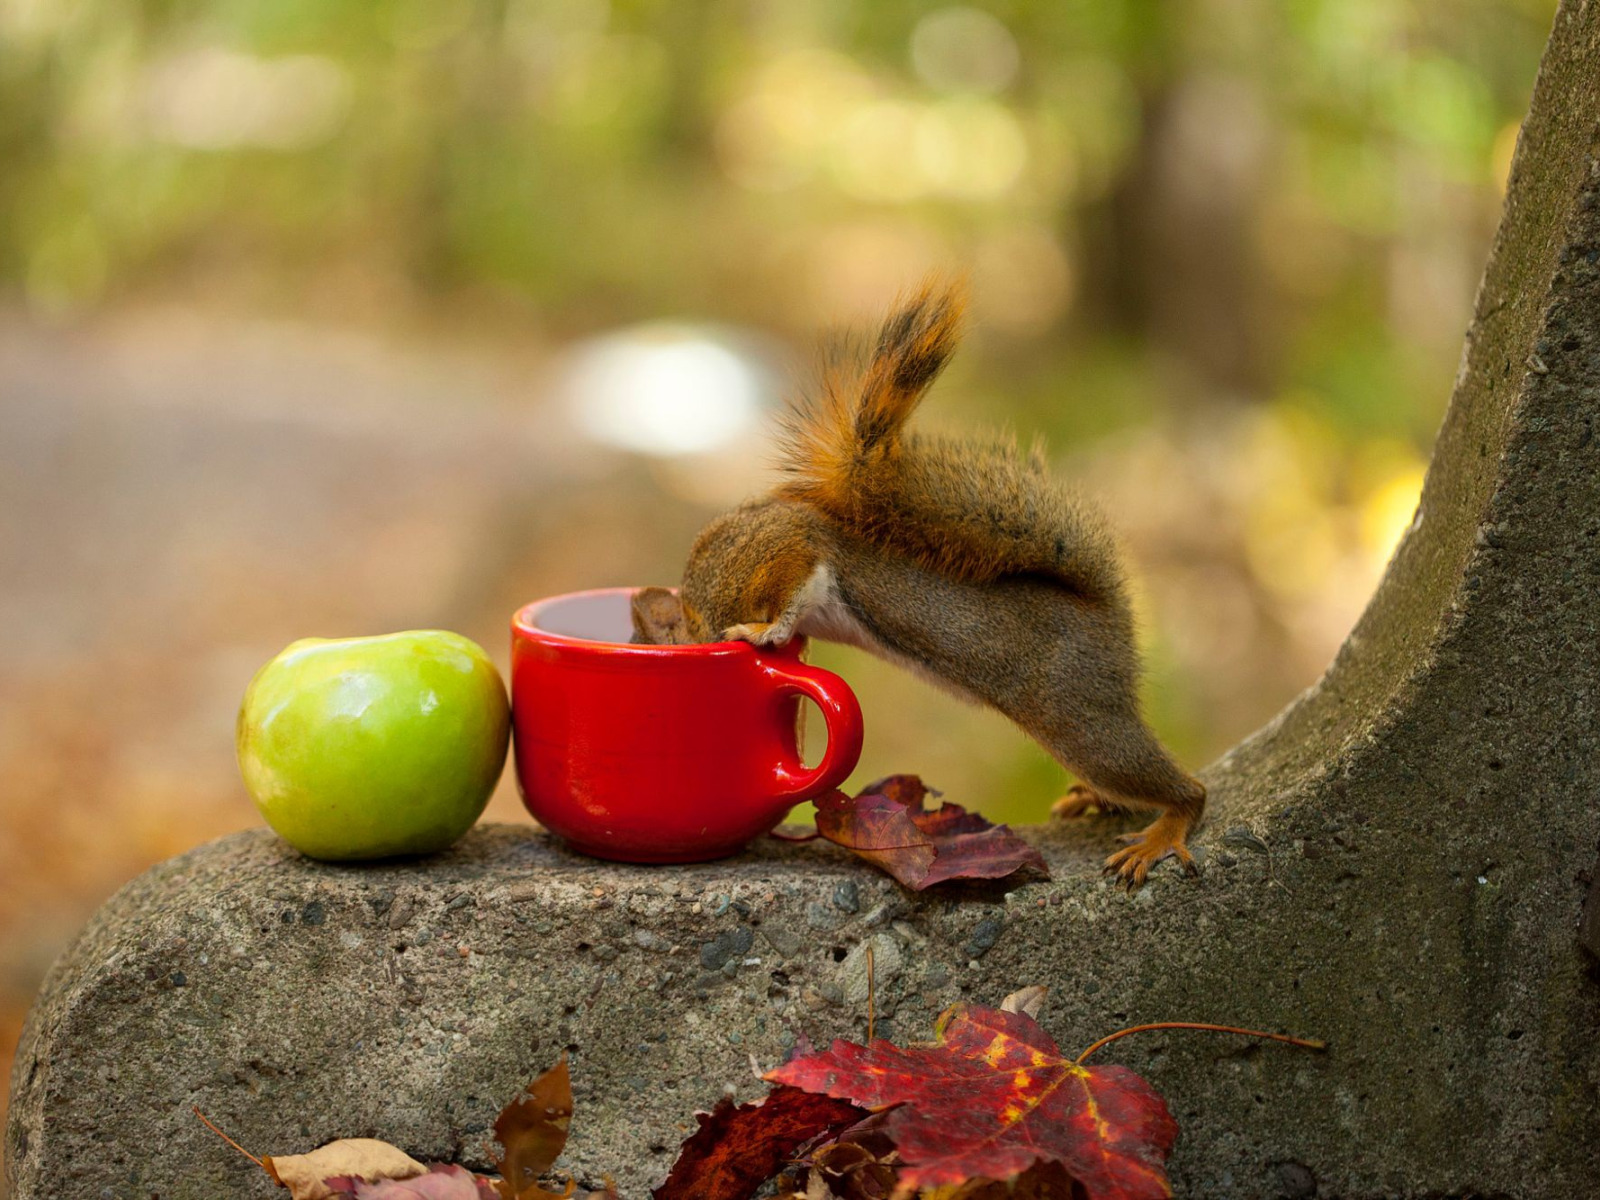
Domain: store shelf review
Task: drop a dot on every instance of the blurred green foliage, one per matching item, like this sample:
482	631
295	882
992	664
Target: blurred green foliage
1248	227
593	158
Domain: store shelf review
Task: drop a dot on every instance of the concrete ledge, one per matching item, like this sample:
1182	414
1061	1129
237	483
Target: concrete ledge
295	1002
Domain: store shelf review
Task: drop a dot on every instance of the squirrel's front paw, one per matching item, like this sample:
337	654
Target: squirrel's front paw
757	633
1081	800
1166	837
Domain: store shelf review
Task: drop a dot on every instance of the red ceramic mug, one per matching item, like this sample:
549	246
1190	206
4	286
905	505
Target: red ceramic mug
663	754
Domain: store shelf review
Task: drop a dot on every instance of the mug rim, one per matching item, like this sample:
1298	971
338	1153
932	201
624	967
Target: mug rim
524	625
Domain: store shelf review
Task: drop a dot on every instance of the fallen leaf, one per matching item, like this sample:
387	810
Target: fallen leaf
993	1096
1027	1001
535	1192
737	1149
837	1159
532	1130
1042	1181
442	1182
861	1164
364	1158
887	825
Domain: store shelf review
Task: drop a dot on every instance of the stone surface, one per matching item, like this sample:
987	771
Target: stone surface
1396	864
296	1001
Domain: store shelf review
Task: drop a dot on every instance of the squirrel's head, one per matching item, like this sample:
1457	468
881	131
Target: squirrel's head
660	619
730	553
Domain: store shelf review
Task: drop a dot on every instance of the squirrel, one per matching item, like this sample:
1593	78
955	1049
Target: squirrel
960	560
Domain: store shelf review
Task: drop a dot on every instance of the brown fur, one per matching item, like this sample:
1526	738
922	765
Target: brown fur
959	559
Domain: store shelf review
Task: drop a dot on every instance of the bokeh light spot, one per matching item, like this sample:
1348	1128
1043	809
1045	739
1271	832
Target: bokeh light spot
215	99
964	49
664	390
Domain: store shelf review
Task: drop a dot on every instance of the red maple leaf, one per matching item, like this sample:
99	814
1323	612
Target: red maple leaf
887	825
735	1150
995	1095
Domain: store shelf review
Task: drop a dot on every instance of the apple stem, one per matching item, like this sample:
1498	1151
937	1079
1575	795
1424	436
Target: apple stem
1308	1043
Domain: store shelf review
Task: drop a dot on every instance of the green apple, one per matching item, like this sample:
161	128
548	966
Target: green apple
370	747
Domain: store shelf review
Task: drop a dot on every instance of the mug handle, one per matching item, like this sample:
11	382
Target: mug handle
841	712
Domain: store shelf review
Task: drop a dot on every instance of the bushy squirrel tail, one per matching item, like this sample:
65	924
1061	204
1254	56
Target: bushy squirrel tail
966	509
836	440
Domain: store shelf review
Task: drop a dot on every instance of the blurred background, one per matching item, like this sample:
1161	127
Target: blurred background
326	317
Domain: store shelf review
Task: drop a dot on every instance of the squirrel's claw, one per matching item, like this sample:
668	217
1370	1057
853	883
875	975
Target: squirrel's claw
1164	838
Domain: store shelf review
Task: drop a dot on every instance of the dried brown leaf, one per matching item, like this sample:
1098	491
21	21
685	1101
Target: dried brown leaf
856	1171
532	1130
1028	1001
364	1158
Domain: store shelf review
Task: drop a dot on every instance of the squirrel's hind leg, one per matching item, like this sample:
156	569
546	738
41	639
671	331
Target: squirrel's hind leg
1094	730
